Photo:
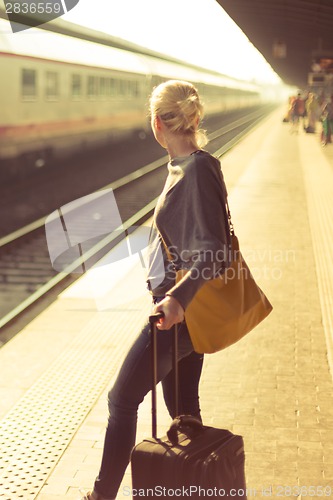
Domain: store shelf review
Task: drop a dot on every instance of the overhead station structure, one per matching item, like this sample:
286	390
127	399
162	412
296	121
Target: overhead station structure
294	36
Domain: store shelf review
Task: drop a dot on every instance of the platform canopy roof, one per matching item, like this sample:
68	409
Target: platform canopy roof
290	34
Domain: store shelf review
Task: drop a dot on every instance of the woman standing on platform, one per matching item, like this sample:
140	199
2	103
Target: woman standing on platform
191	220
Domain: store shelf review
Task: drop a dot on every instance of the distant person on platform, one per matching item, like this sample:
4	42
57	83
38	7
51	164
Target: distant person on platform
313	112
327	120
297	111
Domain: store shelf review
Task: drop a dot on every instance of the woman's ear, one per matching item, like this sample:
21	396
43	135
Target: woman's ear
158	123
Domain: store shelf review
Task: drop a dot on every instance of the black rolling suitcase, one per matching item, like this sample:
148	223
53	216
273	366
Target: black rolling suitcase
192	460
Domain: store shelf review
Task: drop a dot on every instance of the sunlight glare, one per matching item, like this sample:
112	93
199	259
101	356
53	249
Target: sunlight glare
196	31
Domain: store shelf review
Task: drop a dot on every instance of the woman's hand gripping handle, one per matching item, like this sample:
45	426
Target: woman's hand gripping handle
173	313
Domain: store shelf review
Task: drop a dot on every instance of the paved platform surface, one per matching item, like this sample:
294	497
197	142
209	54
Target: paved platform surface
274	387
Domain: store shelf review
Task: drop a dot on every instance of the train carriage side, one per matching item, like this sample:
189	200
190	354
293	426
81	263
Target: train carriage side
220	93
63	93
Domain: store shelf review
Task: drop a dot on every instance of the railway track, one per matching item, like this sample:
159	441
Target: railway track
26	273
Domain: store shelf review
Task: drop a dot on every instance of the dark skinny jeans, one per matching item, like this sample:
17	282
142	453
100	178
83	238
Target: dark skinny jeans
132	385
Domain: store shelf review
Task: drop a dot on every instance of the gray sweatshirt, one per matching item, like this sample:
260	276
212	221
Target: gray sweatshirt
191	220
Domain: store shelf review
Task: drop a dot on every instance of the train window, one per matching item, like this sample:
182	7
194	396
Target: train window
103	86
29	83
114	87
112	90
122	87
137	89
129	87
92	86
76	86
107	87
133	88
52	85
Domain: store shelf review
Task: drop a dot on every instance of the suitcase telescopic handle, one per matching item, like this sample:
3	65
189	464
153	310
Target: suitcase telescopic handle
153	319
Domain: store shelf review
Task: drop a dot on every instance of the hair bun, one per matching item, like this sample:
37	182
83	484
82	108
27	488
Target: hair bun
178	104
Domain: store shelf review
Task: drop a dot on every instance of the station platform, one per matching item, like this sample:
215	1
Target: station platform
274	387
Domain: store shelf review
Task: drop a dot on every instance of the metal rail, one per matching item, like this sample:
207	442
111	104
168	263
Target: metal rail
253	118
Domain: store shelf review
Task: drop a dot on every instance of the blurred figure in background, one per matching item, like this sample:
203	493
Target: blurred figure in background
287	117
297	112
327	120
313	113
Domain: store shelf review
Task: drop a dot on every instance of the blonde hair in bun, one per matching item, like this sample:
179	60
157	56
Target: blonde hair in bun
178	105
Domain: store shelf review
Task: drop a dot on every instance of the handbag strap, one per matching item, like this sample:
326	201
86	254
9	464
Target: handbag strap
166	248
231	226
231	230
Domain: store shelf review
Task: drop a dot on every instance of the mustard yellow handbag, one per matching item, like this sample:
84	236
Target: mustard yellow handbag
226	308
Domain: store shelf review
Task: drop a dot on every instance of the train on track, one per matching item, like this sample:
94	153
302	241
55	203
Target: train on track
65	89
